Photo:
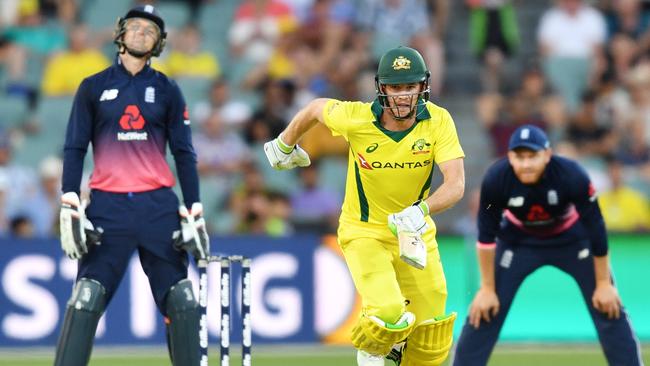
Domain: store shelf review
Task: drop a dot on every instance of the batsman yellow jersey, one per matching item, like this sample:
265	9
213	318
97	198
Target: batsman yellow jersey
387	170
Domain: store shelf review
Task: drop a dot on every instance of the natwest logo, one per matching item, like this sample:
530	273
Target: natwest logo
132	119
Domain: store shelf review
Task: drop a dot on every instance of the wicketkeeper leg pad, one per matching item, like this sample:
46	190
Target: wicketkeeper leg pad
82	314
430	341
183	322
376	337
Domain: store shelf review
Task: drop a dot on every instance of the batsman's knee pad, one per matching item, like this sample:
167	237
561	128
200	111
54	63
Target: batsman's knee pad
82	314
183	322
429	343
390	311
376	337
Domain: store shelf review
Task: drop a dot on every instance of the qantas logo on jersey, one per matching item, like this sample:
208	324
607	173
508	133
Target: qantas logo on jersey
132	119
365	164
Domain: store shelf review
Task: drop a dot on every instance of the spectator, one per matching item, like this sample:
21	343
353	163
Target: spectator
626	17
624	209
501	116
628	34
219	151
47	201
187	59
388	23
13	59
234	112
21	227
494	36
21	182
571	37
256	27
30	31
63	11
248	202
335	55
543	108
273	115
277	222
586	135
64	71
314	208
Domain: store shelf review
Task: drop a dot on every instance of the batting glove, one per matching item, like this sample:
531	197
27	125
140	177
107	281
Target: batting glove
77	232
282	156
193	237
411	219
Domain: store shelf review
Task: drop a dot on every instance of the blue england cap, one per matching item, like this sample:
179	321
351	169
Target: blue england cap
530	137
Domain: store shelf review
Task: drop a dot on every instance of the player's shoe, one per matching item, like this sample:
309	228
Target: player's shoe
395	354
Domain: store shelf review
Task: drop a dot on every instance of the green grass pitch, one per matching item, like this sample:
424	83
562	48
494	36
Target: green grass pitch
504	355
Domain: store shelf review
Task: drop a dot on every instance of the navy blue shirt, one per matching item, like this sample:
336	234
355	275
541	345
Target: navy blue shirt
561	208
130	119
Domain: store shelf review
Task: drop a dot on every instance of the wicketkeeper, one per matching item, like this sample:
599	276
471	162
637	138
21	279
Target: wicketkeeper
130	113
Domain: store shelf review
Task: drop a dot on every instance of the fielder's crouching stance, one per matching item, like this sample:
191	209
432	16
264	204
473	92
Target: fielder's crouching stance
540	209
385	231
130	112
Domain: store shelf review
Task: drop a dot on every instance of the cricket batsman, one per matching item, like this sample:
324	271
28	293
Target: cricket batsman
394	142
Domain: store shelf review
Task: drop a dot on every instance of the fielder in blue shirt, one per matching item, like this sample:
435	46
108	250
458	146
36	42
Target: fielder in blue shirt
539	209
130	113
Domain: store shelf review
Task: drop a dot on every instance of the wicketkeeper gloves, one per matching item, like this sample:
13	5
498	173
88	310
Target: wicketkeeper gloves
77	232
282	156
193	237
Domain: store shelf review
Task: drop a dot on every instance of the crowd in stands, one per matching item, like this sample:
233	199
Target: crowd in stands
246	67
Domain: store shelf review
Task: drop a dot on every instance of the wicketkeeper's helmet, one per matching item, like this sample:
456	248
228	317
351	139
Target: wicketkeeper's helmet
146	12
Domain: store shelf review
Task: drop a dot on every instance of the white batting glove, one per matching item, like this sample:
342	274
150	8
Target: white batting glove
74	227
411	219
193	237
282	156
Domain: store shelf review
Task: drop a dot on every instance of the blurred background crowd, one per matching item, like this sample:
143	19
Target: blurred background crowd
579	69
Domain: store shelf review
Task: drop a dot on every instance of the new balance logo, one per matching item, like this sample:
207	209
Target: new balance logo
109	94
516	201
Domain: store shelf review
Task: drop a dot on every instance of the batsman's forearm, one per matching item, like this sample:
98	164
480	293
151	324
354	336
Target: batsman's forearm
601	267
486	265
447	195
304	120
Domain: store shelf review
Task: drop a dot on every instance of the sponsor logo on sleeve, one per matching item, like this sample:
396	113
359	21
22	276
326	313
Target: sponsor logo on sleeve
186	117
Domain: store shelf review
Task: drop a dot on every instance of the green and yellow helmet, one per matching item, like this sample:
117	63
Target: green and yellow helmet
402	65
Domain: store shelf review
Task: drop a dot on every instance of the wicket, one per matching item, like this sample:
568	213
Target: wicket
225	282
